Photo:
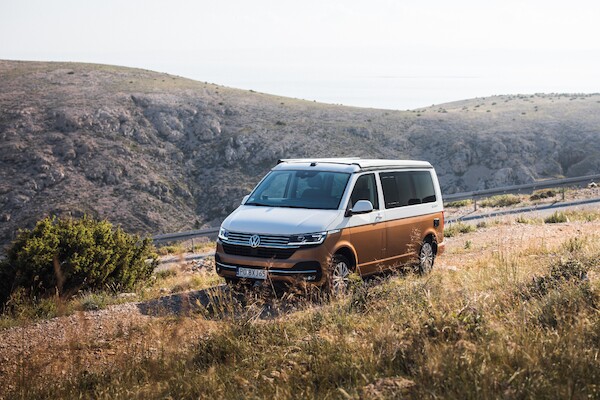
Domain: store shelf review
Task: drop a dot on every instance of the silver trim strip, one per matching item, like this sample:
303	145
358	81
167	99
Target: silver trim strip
259	246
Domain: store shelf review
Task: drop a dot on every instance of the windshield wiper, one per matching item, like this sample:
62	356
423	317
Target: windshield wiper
254	203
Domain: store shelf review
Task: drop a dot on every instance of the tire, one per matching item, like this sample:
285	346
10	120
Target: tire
338	275
426	258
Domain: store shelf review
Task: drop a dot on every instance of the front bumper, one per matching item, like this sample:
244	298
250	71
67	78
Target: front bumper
304	265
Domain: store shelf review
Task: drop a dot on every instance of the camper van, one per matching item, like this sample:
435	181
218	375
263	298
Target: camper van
319	220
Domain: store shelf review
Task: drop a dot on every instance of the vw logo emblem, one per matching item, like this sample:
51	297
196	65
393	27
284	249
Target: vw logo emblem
254	241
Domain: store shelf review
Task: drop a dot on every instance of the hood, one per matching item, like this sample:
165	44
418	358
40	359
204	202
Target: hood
279	220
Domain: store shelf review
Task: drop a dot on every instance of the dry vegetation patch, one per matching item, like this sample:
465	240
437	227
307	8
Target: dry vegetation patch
514	315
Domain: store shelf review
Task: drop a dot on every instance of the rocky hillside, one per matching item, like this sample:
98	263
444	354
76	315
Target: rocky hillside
157	153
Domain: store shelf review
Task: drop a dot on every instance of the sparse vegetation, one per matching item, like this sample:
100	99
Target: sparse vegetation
503	200
522	219
459	203
583	215
406	336
455	228
556	218
543	194
171	249
93	301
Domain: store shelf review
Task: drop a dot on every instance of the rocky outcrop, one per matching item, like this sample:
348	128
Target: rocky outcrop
159	153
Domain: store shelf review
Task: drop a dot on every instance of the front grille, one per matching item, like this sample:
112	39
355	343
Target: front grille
265	240
261	252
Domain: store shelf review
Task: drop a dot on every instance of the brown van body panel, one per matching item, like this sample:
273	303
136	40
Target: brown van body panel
368	242
405	235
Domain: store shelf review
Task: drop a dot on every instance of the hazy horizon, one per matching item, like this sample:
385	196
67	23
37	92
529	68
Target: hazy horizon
382	55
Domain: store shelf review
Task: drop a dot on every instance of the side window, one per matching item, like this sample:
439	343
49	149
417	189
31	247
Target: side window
365	189
423	184
405	189
390	189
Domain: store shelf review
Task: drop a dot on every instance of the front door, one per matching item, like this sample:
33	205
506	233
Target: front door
367	231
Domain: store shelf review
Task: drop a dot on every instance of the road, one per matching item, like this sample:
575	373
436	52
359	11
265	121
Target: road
541	208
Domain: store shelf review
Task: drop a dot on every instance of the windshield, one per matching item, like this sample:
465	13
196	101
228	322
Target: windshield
300	189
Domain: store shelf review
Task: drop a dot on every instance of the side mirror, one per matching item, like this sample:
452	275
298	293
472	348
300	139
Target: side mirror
245	199
361	207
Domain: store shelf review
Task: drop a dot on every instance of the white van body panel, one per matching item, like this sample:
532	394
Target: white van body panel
279	220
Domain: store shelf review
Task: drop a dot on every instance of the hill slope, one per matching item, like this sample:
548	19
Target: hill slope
155	152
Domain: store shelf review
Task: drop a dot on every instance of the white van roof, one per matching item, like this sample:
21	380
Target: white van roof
350	164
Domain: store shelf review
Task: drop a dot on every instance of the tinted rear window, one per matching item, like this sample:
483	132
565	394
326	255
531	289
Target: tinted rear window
407	188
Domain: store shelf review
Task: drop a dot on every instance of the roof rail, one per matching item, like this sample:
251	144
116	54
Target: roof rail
333	160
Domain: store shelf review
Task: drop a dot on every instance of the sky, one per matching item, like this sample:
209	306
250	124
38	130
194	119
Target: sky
383	54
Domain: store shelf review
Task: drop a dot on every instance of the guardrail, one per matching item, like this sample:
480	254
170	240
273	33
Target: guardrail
172	237
474	195
545	184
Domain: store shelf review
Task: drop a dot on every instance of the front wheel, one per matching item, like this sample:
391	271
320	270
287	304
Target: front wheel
339	275
426	258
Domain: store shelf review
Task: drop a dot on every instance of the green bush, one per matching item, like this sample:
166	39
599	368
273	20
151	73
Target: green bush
64	256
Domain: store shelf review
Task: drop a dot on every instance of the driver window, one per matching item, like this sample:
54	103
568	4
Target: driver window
365	189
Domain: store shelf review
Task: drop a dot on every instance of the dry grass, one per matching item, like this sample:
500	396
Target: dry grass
503	200
459	203
451	230
516	319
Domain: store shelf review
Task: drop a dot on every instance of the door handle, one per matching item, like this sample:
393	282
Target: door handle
378	217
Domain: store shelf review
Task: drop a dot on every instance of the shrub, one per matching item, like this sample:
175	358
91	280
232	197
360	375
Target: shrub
170	249
456	228
570	270
63	256
543	194
521	219
459	203
503	200
93	301
556	217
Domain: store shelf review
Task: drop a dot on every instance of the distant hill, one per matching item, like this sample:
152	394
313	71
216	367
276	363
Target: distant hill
156	153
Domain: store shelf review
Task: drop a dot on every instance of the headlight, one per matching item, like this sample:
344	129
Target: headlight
223	234
307	239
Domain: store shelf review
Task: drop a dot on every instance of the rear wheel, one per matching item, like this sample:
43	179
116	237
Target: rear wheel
426	258
339	274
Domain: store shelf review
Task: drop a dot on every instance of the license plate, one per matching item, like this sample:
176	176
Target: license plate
251	273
